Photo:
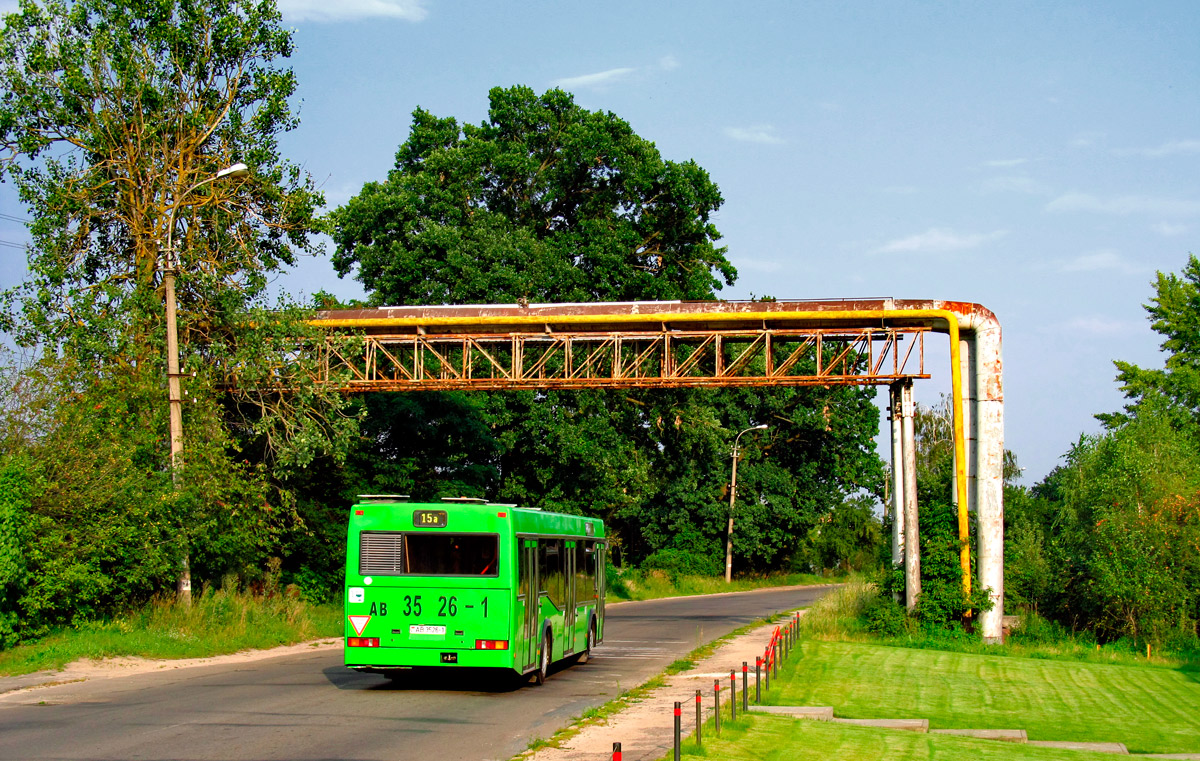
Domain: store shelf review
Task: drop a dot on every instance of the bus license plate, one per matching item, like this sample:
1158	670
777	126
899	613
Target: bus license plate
423	629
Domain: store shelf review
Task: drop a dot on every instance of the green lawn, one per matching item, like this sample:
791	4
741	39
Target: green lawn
1150	709
770	738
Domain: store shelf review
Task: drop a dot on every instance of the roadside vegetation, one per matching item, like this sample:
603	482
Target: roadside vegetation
653	583
1065	690
218	622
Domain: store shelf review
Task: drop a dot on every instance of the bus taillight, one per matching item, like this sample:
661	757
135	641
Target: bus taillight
491	644
362	641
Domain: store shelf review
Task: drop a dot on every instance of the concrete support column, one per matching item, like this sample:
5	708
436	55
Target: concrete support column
908	448
988	414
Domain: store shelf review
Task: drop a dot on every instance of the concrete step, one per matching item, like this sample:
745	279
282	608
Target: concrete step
1005	735
1094	747
911	725
821	713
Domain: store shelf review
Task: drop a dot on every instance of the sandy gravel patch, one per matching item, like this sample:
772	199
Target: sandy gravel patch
87	669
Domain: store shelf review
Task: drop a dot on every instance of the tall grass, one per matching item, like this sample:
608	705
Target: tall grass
217	622
635	584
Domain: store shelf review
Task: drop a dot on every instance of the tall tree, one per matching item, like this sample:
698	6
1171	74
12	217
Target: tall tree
1175	314
117	120
547	201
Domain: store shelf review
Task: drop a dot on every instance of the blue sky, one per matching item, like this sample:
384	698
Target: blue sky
1038	158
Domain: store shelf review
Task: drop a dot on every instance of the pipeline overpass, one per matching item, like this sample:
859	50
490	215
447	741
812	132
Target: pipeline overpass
674	344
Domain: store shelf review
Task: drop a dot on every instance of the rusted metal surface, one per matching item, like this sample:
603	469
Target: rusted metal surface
623	359
673	344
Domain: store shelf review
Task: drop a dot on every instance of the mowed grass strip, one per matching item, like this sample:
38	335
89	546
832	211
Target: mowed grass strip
1150	709
771	738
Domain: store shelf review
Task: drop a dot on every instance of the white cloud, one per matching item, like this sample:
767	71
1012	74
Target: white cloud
599	79
1168	230
757	133
1087	139
1095	261
1169	148
1015	184
1126	205
1005	163
668	63
350	10
939	239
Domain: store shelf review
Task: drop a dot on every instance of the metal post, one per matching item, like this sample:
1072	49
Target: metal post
767	670
616	752
717	707
745	687
678	727
732	696
757	679
732	498
699	720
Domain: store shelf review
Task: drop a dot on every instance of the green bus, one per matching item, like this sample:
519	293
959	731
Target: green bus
468	583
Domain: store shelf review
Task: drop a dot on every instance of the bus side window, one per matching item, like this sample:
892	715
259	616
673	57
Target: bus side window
523	569
587	566
551	561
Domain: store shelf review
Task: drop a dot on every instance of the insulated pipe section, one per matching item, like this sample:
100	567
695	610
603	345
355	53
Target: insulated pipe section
988	461
978	322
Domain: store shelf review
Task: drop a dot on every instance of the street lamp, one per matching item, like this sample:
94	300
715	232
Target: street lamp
732	497
174	396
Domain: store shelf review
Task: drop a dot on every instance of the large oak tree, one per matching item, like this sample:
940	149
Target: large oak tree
546	201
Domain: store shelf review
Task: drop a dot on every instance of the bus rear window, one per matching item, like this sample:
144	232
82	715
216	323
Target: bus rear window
429	554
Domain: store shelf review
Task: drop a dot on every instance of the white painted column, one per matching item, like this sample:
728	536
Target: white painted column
989	465
912	545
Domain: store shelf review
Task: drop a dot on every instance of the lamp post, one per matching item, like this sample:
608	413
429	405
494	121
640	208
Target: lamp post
732	498
174	396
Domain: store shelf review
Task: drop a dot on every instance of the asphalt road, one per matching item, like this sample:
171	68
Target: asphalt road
310	708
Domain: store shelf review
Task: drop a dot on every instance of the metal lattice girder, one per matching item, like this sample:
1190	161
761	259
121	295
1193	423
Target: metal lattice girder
717	343
616	359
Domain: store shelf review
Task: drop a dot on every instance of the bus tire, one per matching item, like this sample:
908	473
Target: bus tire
543	669
586	655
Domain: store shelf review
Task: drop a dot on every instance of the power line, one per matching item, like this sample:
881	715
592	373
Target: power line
10	244
11	218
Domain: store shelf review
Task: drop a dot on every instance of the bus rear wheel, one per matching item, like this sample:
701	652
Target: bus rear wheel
543	669
586	655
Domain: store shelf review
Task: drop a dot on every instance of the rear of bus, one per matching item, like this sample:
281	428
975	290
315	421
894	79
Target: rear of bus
425	585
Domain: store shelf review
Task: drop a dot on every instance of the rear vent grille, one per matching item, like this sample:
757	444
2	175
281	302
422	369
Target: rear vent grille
381	553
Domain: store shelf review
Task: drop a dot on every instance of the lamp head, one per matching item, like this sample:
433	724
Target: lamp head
236	171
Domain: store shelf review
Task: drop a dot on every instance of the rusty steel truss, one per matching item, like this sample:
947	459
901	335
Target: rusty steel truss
629	358
679	344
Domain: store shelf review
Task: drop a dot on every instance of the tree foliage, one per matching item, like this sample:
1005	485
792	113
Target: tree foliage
1175	314
547	201
1109	542
116	120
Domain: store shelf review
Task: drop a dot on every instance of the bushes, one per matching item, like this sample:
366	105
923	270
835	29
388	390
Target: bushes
678	563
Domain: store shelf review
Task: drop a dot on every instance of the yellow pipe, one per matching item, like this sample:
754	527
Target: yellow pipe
950	317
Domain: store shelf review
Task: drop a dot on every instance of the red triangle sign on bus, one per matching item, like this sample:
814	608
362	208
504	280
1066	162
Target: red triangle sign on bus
359	623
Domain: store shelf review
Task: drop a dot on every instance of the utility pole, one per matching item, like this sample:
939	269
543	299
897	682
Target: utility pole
732	499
